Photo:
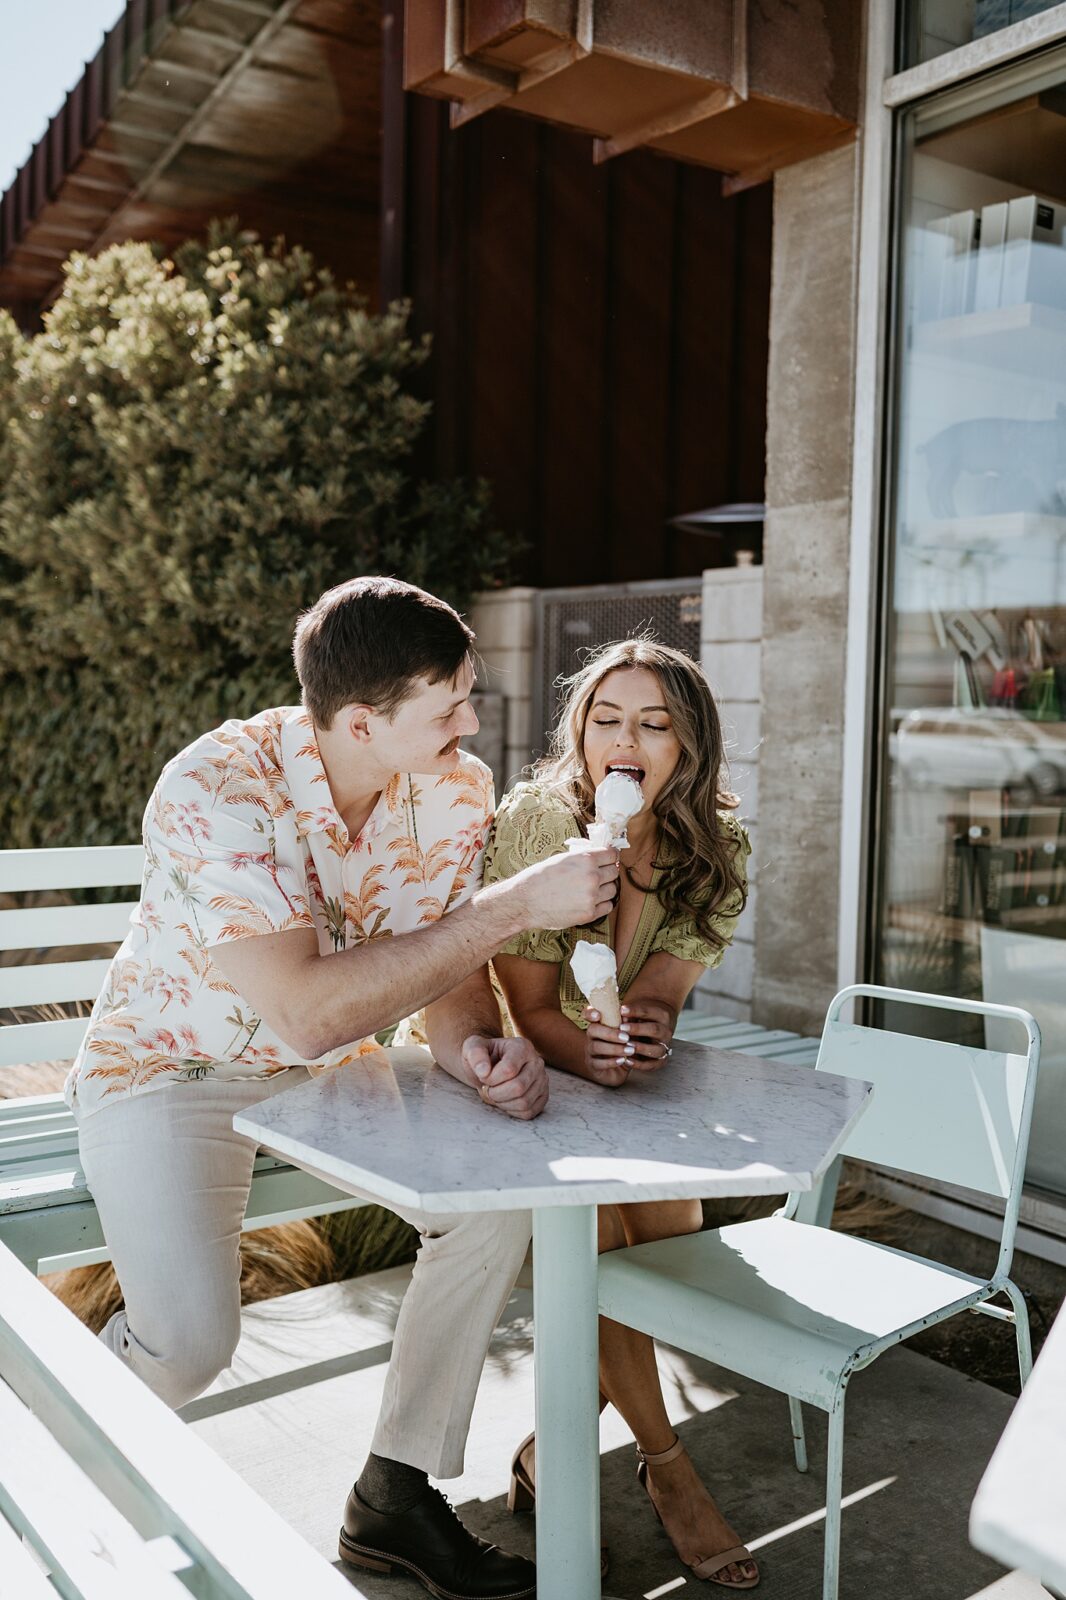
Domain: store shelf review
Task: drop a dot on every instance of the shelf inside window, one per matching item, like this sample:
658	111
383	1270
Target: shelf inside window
1029	338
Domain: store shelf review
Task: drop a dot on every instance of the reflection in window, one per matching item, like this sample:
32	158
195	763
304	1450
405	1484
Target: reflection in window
935	26
973	856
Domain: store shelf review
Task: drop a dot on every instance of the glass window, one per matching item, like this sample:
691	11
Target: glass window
971	859
933	26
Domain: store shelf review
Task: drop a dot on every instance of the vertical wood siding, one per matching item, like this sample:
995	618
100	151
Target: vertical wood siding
600	337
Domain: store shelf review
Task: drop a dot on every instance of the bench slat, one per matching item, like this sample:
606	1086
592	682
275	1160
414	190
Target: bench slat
20	1569
55	927
154	1469
27	1042
57	1180
51	982
34	1143
34	1107
96	867
74	1525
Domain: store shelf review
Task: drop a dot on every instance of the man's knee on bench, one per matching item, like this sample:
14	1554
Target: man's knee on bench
183	1366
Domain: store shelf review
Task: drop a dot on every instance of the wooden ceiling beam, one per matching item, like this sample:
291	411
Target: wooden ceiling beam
251	8
133	130
159	102
208	36
98	185
179	69
43	251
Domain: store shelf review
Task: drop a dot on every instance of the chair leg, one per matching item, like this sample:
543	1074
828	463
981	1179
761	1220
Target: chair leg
1021	1331
799	1441
834	1483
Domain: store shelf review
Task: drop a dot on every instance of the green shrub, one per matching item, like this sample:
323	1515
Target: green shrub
190	451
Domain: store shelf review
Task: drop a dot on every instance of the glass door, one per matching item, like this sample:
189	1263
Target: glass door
971	860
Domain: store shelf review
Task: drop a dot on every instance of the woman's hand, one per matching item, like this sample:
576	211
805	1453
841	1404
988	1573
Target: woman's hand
606	1060
641	1044
649	1027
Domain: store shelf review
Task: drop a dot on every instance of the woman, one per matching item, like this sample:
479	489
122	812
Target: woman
639	707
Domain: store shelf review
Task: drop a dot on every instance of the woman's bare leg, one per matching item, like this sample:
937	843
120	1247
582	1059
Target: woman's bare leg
629	1377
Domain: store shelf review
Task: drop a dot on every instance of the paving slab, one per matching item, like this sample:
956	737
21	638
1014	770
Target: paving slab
295	1413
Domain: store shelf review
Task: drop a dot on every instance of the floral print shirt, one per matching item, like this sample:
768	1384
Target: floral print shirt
241	838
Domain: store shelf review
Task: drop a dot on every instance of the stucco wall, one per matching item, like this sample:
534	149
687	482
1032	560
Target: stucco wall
808	451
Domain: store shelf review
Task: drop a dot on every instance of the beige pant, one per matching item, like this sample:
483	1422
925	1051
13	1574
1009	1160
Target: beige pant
170	1178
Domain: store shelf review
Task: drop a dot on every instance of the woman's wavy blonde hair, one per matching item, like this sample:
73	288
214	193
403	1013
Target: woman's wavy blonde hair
697	857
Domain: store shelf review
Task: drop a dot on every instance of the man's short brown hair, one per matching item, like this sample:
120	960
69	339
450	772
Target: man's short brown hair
369	640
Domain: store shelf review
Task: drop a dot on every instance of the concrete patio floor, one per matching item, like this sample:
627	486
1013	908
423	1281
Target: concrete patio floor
295	1414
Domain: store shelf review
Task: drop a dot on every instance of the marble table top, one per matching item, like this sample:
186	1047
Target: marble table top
713	1122
1019	1513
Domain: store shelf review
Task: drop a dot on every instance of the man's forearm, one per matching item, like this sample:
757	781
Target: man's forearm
471	1008
356	992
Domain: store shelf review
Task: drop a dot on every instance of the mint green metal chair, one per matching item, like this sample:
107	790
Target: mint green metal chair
800	1308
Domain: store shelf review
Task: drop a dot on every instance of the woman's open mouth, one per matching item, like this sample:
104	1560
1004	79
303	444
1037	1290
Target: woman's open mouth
627	768
450	748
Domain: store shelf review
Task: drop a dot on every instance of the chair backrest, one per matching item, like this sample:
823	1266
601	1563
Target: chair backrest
956	1113
44	928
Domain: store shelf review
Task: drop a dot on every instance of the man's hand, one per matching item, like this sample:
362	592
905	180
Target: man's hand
568	891
510	1075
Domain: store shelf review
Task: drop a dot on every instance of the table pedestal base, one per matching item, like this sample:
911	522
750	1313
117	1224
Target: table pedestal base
566	1364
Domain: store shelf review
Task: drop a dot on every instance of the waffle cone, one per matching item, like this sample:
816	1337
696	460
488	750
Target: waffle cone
605	1001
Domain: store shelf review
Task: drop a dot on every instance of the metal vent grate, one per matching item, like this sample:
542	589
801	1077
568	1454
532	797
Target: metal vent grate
570	622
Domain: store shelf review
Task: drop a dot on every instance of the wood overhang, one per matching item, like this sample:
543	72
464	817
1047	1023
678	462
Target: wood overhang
743	88
268	110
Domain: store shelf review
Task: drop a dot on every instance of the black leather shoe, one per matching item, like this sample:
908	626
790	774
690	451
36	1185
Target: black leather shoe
430	1543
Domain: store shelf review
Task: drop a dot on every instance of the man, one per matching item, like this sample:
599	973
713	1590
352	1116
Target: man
312	876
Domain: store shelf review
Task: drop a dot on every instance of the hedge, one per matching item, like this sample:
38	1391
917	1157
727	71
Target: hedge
191	450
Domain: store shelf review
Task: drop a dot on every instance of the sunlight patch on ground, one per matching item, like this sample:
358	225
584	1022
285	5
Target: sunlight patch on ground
818	1516
1007	1588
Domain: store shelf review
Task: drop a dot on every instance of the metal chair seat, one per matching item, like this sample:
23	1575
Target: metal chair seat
788	1304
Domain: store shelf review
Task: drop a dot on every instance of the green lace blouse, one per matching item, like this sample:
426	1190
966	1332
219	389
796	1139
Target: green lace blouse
533	823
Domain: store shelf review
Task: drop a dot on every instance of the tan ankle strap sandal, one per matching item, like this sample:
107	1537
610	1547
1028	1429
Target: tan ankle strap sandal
708	1566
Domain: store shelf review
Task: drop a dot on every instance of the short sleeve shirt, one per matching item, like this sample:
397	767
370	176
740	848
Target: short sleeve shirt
535	822
242	838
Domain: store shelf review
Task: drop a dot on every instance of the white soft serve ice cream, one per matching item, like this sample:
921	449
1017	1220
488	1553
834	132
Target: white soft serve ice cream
618	798
593	965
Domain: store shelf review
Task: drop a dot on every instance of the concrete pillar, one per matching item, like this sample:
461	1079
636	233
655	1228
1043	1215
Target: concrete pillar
503	620
730	651
808	478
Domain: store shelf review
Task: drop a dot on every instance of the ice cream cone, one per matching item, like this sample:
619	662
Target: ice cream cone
618	798
596	975
605	1001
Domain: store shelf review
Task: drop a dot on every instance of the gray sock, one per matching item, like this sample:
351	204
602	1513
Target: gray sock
390	1486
